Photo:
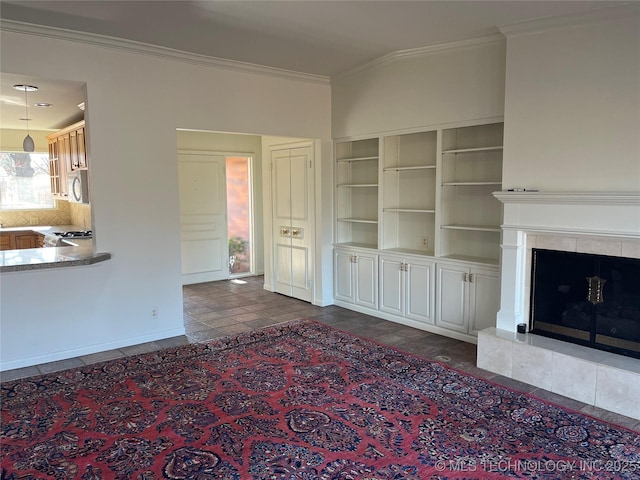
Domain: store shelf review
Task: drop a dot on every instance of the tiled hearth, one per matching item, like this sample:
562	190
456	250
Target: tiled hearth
591	376
599	223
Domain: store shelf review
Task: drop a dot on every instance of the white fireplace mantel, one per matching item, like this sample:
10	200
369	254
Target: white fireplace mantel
614	214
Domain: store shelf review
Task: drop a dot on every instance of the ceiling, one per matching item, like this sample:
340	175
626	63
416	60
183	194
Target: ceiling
316	37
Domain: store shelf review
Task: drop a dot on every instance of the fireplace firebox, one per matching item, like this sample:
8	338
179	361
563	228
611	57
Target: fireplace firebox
586	299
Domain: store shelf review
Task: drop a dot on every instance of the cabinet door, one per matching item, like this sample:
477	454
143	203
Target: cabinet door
343	281
73	150
26	240
6	241
366	280
64	162
82	152
419	295
484	299
452	297
54	166
391	286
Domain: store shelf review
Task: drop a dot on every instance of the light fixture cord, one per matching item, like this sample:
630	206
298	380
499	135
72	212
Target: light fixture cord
26	107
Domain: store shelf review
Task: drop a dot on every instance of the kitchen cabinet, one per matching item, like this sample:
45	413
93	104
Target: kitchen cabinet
77	152
20	239
468	298
356	277
406	287
67	152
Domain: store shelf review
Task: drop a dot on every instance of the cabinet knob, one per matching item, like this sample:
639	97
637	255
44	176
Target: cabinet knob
284	231
471	278
295	233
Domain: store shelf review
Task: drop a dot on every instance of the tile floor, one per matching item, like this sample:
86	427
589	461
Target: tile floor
216	309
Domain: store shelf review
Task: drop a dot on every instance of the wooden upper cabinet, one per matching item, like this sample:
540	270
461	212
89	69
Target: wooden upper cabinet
67	152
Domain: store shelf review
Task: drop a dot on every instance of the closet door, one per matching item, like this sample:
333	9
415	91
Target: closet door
292	224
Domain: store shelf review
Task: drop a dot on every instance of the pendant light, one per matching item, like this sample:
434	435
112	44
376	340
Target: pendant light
27	144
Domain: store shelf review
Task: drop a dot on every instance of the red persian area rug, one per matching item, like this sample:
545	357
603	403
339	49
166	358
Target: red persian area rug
295	401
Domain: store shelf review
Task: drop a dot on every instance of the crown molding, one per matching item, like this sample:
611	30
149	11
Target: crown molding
424	51
542	25
154	51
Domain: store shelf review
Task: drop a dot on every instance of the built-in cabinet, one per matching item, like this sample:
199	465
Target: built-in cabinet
67	152
468	298
356	277
422	203
406	287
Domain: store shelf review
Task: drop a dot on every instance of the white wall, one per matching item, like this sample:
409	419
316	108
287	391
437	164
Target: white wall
572	106
429	87
135	102
228	143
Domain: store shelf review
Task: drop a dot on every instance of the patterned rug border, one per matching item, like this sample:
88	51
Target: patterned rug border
69	377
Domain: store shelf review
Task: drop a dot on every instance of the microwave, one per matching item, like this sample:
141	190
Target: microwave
78	186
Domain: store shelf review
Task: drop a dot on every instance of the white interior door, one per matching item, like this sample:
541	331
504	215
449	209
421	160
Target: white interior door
292	223
203	217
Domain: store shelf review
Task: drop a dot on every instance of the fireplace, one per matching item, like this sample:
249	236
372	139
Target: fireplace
586	299
596	223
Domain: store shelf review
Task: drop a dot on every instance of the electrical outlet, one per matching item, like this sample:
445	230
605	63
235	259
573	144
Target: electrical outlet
33	221
154	312
425	241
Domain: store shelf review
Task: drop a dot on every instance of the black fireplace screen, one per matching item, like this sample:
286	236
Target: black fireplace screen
586	299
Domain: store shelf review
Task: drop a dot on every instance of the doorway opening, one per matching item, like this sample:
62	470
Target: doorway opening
239	215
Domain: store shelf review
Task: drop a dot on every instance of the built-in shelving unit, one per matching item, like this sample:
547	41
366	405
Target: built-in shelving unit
357	192
471	170
418	228
409	192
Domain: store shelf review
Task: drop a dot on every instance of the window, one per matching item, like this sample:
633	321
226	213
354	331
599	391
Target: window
24	181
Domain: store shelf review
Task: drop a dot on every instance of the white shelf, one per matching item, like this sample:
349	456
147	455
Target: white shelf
477	228
358	185
476	149
357	220
408	210
356	245
399	169
469	184
356	159
469	258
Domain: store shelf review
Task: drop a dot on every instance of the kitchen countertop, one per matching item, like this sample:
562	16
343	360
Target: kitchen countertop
79	252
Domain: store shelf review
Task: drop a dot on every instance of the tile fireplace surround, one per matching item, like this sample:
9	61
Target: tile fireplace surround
605	223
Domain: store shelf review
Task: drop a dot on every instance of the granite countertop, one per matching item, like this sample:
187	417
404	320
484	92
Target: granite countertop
78	252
